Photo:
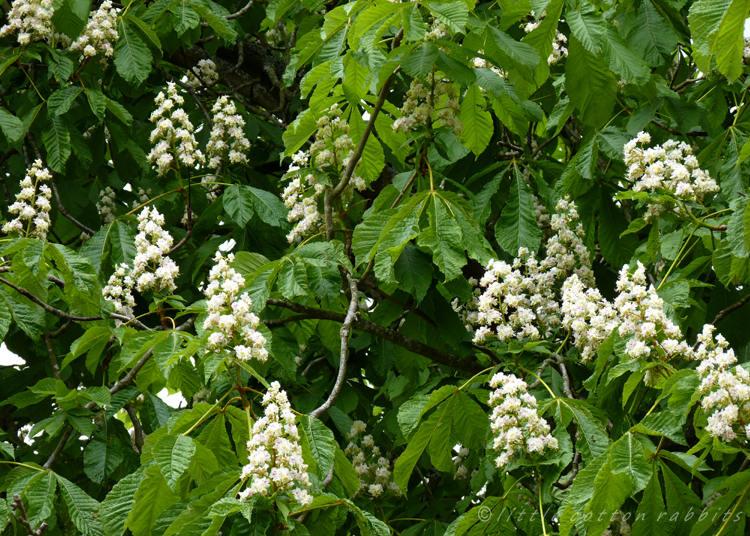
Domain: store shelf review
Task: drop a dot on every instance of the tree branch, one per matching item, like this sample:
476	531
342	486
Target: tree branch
119	386
346	329
52	355
137	428
47	307
730	309
23	518
413	345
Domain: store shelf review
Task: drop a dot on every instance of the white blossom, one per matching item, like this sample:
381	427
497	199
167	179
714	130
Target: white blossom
430	101
522	300
29	20
204	72
275	461
671	167
106	205
173	141
227	135
374	470
515	421
230	323
118	290
32	204
100	34
152	267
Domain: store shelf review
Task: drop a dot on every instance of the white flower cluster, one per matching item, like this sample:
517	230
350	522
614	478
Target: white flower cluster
205	71
725	389
230	323
522	300
437	99
119	290
142	196
462	473
227	136
637	310
435	31
670	166
515	421
275	462
152	268
746	51
328	155
106	204
481	63
559	43
173	136
31	20
32	204
373	469
100	34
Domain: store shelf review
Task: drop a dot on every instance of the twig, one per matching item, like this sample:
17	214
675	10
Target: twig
564	373
546	363
311	363
119	386
401	304
346	329
272	322
695	134
47	307
241	11
730	309
137	428
23	518
354	160
687	82
413	345
52	355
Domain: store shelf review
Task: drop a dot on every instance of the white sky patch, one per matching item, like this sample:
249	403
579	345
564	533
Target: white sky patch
176	400
8	358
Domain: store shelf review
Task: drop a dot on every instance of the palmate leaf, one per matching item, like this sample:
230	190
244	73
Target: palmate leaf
321	444
56	139
153	496
517	226
40	496
610	492
132	56
651	36
651	510
100	459
476	120
83	510
590	85
730	43
117	505
587	24
173	455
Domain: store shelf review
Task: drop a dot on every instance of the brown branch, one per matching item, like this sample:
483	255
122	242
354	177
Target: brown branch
401	304
311	363
64	211
354	159
137	428
51	355
273	322
119	386
47	307
686	83
413	345
346	329
730	309
23	518
696	134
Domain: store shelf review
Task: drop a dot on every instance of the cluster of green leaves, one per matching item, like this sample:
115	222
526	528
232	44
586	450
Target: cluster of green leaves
88	442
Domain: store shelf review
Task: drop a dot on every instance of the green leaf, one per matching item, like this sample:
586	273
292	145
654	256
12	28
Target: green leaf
651	36
215	437
132	56
119	111
628	456
344	470
11	126
100	460
97	102
590	85
62	99
153	496
455	15
729	44
373	159
610	492
520	52
420	61
6	316
680	499
476	120
611	225
40	496
517	226
413	272
587	24
651	510
623	61
118	504
238	204
321	442
216	17
56	139
83	510
443	237
173	455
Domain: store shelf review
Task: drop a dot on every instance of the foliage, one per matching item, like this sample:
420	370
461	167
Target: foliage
488	269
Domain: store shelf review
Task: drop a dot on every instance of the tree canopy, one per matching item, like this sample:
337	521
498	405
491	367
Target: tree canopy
447	268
